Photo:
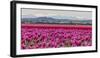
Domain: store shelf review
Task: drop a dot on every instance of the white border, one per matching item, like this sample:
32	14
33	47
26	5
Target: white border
51	50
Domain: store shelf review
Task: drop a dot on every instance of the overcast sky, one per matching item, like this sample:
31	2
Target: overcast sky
56	13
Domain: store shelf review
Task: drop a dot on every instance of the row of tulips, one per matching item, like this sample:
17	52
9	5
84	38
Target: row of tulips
34	38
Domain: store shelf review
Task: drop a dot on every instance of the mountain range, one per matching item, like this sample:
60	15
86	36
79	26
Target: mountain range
50	20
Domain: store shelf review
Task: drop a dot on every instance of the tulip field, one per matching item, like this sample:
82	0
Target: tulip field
39	36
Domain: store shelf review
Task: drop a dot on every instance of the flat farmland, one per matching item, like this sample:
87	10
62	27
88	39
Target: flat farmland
36	36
